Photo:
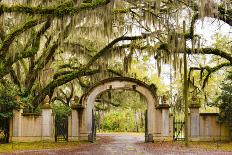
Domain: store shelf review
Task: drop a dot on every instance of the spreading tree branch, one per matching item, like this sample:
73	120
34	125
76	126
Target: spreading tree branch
210	70
107	48
64	9
11	36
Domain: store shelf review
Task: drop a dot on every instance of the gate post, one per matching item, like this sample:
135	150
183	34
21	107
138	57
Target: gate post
194	120
17	124
47	121
74	125
164	122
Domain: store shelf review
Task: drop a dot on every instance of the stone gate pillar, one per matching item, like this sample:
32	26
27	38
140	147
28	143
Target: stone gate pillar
164	120
47	121
194	119
17	124
74	124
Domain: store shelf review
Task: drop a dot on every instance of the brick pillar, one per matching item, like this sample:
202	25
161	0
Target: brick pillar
194	120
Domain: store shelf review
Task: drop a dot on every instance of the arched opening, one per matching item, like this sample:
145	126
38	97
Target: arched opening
121	111
149	92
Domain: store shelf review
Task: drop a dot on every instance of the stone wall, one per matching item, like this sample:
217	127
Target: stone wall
205	127
32	127
210	129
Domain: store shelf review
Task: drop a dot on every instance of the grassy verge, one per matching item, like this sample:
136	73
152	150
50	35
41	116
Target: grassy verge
216	146
15	146
223	146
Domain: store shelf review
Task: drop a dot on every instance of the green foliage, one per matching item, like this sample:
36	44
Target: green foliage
66	8
8	93
121	120
128	115
224	101
120	10
93	4
61	111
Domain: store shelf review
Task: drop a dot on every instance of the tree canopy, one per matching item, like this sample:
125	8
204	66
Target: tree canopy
48	44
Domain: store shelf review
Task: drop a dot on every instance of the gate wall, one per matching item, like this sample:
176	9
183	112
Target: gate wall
205	127
202	126
32	127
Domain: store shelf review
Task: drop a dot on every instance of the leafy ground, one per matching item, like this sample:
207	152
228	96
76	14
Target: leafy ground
11	147
117	143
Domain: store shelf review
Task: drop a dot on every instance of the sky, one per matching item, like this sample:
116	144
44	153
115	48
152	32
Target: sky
207	29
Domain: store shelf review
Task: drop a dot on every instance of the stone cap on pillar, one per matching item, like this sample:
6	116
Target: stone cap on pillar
163	106
194	106
20	104
46	104
77	106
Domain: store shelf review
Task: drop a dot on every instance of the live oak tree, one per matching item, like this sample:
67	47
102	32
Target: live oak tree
45	44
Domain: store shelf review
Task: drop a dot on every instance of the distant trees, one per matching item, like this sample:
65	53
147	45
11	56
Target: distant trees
224	102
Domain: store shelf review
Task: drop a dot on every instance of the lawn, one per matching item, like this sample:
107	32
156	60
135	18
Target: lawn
220	145
11	147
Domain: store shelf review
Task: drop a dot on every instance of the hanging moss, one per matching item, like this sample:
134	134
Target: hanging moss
93	4
60	81
120	10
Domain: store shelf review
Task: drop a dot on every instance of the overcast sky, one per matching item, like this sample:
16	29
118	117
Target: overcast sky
207	29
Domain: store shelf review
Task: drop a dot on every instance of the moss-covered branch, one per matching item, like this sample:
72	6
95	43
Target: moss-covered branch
31	77
60	81
108	47
15	78
66	8
11	36
209	70
46	56
30	49
214	51
32	46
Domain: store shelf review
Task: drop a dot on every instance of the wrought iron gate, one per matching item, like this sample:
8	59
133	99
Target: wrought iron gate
146	130
92	136
61	129
178	129
4	130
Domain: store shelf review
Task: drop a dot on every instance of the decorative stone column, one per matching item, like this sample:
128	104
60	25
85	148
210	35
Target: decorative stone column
164	120
74	124
17	124
194	120
47	120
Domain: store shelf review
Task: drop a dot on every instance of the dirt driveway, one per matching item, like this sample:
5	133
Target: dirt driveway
124	144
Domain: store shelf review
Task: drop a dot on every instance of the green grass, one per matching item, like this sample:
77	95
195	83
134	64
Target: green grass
15	146
216	145
223	146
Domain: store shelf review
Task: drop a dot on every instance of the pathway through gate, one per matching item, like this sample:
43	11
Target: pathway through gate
88	127
178	129
61	129
121	144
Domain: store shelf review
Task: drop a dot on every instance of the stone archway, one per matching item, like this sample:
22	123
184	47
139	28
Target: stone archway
149	93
